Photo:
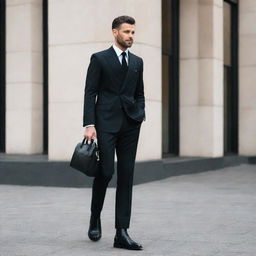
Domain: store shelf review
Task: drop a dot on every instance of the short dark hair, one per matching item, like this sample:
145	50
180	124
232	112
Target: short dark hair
122	19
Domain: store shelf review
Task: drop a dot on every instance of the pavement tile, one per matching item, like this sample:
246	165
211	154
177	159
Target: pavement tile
203	214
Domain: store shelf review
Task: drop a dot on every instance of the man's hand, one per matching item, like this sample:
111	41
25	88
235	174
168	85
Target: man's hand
90	133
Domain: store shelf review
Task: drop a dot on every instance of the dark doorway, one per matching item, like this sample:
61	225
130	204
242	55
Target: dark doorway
2	74
230	10
170	77
45	76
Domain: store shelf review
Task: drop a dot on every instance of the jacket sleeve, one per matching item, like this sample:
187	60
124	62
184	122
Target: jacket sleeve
139	92
91	90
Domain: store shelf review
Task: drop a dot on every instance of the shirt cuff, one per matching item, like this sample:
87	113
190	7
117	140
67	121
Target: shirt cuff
89	125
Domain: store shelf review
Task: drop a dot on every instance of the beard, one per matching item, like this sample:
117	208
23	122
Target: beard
123	43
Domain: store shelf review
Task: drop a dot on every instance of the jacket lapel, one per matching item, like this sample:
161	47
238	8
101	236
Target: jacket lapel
115	65
113	60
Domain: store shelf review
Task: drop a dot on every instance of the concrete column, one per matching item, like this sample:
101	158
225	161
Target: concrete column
247	77
76	30
201	78
24	76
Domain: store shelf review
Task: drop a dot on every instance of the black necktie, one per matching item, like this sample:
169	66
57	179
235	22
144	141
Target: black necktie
124	63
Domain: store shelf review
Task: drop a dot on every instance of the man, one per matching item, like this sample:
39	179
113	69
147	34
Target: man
114	108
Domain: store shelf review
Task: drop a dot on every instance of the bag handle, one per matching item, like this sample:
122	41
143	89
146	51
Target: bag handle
86	140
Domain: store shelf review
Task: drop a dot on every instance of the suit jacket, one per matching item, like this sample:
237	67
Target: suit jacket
106	92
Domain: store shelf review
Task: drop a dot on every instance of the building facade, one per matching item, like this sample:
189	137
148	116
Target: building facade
199	74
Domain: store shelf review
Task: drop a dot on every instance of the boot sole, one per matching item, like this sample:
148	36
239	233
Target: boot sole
94	239
116	245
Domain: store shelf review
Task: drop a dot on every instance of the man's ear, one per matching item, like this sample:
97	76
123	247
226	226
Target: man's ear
114	31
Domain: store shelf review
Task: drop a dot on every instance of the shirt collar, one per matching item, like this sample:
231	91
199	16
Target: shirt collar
119	51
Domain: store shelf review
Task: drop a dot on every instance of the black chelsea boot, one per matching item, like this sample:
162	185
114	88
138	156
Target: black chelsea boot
123	240
94	231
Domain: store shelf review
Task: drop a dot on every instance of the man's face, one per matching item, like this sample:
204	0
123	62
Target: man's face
124	35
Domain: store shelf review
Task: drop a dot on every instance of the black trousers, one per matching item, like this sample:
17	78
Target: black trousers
125	143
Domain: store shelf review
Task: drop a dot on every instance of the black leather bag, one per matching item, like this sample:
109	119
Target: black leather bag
86	158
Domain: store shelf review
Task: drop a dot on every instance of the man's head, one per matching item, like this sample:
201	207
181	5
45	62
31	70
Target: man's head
123	28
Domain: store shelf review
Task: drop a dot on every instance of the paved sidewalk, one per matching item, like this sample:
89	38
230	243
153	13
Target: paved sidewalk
204	214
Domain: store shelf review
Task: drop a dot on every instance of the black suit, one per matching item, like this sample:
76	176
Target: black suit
114	102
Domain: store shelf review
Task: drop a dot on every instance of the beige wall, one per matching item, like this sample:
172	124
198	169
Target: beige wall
24	124
201	78
247	77
79	28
